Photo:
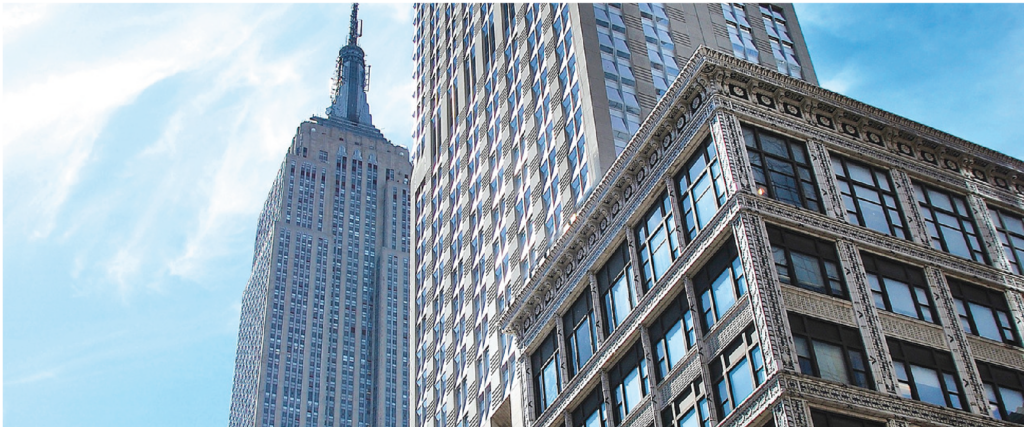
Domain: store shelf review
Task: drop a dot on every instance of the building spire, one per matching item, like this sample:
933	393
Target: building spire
348	100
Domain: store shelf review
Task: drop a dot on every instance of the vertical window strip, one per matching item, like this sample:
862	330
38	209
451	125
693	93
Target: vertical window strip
658	242
1010	230
701	187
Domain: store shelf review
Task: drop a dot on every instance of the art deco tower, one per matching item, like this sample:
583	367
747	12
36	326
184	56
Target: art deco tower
324	332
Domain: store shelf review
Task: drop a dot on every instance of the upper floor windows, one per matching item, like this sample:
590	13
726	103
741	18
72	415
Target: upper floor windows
829	419
628	380
927	375
591	413
672	334
949	223
580	332
737	372
983	312
806	262
615	286
899	288
869	197
657	241
830	351
1010	229
1004	389
719	284
546	381
701	188
690	409
782	169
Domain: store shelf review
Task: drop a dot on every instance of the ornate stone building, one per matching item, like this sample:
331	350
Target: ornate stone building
767	252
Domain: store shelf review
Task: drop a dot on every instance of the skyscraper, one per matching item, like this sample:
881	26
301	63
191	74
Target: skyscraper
521	108
324	330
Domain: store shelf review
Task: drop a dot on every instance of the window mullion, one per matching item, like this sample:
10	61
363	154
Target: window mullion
821	170
908	205
636	286
986	230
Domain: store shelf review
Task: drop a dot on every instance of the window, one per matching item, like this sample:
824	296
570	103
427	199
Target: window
806	262
869	196
899	288
983	312
672	334
719	284
658	242
737	372
949	223
701	188
925	374
690	409
591	413
830	351
1004	389
1010	229
782	169
546	381
628	379
828	419
580	332
615	285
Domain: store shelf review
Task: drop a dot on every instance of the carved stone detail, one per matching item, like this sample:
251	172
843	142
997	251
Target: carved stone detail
821	162
992	352
956	339
728	139
790	412
912	330
986	229
817	305
908	204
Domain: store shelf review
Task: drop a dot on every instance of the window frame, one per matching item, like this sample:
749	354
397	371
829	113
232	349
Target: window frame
846	338
632	361
609	279
545	355
964	294
593	403
824	252
995	377
753	142
744	351
820	418
1014	254
692	401
923	194
706	153
676	315
880	268
581	311
938	361
725	259
848	189
647	256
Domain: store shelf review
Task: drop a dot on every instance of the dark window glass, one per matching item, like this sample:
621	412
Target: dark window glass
591	413
1004	389
701	188
983	312
869	196
828	419
615	285
690	409
806	262
628	379
950	223
830	351
658	242
546	381
580	332
737	371
720	283
672	334
1010	229
926	374
782	169
899	288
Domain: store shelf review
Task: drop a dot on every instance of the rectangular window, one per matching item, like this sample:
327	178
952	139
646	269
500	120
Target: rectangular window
869	196
546	380
658	242
672	334
983	312
580	332
690	409
806	262
782	168
830	351
950	223
737	372
828	419
899	288
591	413
1004	389
628	380
719	284
615	285
701	188
925	374
1010	229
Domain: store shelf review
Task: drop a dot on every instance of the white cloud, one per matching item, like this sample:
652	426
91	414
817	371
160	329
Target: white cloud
20	16
845	81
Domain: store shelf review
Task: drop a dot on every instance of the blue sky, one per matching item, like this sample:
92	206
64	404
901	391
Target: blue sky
140	142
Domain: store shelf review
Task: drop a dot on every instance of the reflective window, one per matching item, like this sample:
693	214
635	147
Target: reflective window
869	197
830	351
806	262
739	32
615	285
672	334
782	169
591	413
628	380
950	223
1010	229
899	288
925	374
580	332
690	409
827	419
1004	390
778	38
983	312
701	189
719	284
658	242
737	372
546	381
